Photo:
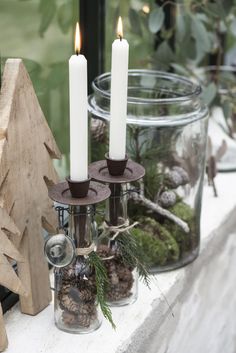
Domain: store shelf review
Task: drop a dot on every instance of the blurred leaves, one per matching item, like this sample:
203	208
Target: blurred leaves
47	10
52	8
214	10
57	75
227	109
164	54
135	22
181	70
197	30
182	44
65	16
194	30
180	26
188	51
156	20
200	34
209	93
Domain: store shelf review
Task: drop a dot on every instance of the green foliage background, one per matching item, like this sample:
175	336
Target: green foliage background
41	32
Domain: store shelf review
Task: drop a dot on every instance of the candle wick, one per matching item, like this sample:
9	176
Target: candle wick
120	36
77	52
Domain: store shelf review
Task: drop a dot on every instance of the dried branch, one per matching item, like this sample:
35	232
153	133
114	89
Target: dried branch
158	209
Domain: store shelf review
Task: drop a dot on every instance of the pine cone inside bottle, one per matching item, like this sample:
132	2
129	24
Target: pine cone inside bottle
98	130
77	297
120	275
69	318
167	198
176	177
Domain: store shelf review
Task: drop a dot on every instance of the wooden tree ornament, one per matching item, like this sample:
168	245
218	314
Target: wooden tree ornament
27	148
8	277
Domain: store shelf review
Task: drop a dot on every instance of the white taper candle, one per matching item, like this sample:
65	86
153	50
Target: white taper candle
118	108
78	113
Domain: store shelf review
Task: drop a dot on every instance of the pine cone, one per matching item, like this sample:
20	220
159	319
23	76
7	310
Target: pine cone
98	130
68	273
167	199
120	276
84	320
124	288
173	179
86	295
104	251
183	173
110	265
114	279
124	273
82	268
113	295
66	302
69	318
64	289
87	309
120	280
90	284
121	291
120	262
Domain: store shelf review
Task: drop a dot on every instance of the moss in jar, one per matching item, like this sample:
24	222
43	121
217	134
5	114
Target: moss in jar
158	245
186	242
165	242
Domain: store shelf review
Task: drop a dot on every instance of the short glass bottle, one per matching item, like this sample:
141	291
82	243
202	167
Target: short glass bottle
123	279
76	309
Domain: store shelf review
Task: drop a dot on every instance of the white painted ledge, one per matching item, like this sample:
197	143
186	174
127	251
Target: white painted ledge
201	295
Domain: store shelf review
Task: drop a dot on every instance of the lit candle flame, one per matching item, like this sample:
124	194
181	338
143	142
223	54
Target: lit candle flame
120	28
77	39
146	9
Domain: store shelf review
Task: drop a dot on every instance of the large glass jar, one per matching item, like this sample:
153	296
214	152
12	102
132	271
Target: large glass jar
76	309
122	288
166	133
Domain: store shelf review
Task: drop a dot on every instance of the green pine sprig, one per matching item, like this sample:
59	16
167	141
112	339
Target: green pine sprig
132	255
101	284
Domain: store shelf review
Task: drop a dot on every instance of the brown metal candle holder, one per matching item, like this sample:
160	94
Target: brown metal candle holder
63	193
78	189
96	193
106	172
116	167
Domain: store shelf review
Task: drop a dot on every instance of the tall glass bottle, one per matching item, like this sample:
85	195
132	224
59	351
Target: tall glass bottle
76	308
123	285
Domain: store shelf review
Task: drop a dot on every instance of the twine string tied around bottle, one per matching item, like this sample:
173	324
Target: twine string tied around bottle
124	227
85	251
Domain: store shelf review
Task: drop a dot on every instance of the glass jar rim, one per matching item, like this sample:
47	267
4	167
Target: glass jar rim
221	68
195	90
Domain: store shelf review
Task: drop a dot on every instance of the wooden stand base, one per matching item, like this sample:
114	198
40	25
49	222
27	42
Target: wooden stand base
3	335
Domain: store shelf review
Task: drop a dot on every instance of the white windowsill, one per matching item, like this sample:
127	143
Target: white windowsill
38	334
